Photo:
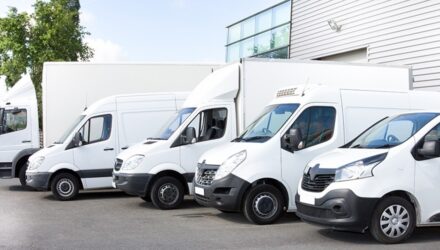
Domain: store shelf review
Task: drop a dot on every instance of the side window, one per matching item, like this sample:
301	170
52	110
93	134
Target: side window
433	135
97	129
14	120
316	125
210	124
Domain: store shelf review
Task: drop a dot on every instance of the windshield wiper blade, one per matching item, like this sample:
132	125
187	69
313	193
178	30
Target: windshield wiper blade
356	146
254	138
155	138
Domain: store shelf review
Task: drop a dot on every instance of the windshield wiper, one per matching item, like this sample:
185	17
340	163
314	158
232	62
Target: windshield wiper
256	138
356	146
155	138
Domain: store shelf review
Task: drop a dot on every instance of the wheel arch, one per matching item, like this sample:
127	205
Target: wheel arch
171	173
407	196
65	170
277	184
21	158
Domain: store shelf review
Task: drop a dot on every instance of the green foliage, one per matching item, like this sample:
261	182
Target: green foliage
52	33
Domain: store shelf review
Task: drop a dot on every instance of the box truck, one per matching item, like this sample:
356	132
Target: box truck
19	132
222	105
79	84
386	180
83	157
258	173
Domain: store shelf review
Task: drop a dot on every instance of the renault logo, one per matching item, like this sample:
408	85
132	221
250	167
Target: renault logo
313	172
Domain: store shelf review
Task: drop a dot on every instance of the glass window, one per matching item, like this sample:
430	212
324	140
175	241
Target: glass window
281	14
264	21
434	134
316	125
13	120
279	53
234	33
70	129
233	52
174	123
96	129
248	47
263	42
209	124
248	28
280	36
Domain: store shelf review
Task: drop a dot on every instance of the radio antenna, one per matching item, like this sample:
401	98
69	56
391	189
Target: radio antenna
305	86
85	106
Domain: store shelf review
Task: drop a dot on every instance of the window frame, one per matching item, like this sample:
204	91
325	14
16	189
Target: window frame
3	119
88	142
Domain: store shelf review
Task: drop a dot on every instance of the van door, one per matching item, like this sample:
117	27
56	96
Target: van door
96	157
15	136
320	133
212	127
427	176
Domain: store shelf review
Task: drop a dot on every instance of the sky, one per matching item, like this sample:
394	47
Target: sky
159	31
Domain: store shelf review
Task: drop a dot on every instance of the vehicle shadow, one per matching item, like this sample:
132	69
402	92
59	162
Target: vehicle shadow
188	203
20	188
113	194
240	218
420	235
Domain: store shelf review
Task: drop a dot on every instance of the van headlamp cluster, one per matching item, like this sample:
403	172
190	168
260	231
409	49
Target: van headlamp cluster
36	163
359	169
132	162
230	164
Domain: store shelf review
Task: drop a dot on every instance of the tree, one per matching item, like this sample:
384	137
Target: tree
52	33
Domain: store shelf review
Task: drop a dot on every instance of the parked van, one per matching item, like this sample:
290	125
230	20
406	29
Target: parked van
385	180
19	132
84	156
222	105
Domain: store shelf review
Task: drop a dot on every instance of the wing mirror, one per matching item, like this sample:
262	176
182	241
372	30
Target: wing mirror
430	149
78	139
293	140
188	136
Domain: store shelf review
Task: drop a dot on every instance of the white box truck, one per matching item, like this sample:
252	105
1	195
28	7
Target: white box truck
76	85
83	157
19	132
219	109
258	173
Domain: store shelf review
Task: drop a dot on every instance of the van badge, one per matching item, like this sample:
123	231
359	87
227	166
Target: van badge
313	172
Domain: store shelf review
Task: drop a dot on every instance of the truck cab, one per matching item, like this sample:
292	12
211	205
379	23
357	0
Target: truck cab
19	132
84	155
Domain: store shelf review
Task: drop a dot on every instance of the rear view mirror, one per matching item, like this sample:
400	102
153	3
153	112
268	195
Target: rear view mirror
188	136
430	149
78	139
293	140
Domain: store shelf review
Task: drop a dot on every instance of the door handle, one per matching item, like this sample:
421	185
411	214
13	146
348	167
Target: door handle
108	149
124	148
25	141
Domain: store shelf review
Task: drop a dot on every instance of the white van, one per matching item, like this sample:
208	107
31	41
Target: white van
84	156
19	132
258	173
385	180
219	109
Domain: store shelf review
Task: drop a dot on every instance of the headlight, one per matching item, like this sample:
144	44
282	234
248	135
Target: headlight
132	162
359	169
36	163
230	164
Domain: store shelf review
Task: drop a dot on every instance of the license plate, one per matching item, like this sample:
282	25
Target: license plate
307	199
199	191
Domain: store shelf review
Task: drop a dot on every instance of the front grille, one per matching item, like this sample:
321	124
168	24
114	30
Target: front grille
320	182
118	164
205	176
202	198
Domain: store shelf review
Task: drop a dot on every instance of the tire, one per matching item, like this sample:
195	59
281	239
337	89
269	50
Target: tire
263	204
167	193
401	224
65	186
22	174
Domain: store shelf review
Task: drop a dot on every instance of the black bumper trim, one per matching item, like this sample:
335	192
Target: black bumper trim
39	181
133	184
224	194
5	169
339	209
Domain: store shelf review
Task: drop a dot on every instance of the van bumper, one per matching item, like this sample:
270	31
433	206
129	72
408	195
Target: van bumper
38	180
133	184
225	194
338	209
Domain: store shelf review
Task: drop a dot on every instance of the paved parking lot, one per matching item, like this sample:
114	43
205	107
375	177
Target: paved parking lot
112	220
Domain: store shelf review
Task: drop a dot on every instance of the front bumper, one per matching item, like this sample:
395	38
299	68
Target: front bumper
133	184
339	209
224	194
38	180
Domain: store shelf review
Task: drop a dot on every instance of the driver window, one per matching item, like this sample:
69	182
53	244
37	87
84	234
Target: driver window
433	135
14	120
210	124
96	129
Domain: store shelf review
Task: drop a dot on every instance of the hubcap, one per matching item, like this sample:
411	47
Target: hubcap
394	221
265	205
168	193
65	187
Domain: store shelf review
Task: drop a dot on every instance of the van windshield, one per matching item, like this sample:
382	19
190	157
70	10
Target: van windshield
174	123
392	131
70	129
268	124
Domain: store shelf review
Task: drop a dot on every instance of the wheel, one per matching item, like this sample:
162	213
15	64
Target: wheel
263	204
65	186
22	174
167	193
393	220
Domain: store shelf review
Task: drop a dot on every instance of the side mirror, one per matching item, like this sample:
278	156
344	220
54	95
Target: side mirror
293	140
430	149
188	136
78	139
